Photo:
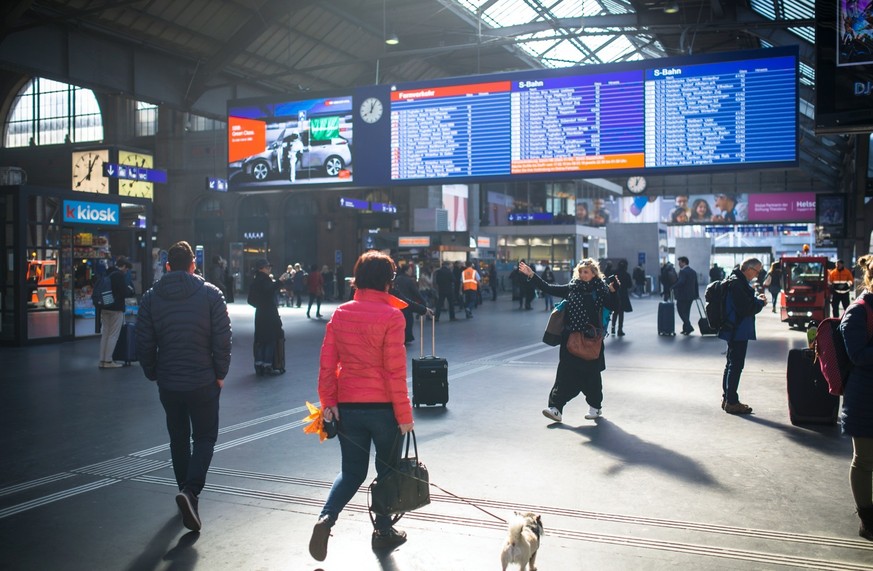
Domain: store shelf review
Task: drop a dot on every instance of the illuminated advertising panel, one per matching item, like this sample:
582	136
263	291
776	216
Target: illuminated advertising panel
279	144
844	66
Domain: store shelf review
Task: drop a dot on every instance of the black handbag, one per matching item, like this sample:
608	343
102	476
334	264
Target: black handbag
555	326
404	488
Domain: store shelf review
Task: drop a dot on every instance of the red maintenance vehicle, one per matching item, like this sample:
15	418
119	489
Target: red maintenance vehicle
42	279
805	295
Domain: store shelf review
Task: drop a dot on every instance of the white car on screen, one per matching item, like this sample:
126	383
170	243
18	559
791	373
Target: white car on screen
331	157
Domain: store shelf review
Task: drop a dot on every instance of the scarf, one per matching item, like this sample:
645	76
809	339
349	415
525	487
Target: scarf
585	304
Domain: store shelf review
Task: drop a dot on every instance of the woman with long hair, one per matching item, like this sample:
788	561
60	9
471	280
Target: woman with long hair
586	294
700	211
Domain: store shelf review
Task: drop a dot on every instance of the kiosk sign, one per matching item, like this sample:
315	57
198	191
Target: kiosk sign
91	213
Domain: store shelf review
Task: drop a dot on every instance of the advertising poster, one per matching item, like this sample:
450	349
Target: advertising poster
274	145
727	208
855	39
830	215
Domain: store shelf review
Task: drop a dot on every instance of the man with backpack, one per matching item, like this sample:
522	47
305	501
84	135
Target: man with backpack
740	305
109	294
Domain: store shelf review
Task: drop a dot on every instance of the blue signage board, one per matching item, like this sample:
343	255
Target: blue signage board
531	217
217	184
354	203
384	207
142	174
100	213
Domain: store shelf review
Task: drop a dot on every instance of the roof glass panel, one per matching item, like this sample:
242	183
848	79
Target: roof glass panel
789	10
561	47
511	12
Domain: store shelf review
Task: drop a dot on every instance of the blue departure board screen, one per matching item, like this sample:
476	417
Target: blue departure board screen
663	115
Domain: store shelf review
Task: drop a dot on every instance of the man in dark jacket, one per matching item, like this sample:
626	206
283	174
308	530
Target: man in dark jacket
183	342
685	291
112	314
406	288
444	280
741	305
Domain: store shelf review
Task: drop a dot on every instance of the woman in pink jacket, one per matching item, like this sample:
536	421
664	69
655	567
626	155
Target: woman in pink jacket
362	383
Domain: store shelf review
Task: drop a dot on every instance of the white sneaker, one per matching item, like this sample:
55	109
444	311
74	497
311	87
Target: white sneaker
594	413
112	365
552	413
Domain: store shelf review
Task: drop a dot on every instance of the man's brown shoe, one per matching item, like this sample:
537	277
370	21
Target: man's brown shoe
737	408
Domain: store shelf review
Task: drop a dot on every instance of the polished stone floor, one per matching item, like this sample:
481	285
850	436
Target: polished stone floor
664	481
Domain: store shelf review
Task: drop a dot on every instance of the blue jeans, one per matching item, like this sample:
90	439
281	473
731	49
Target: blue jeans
359	427
264	353
736	360
192	411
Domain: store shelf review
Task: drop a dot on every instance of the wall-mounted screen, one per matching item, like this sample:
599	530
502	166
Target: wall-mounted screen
279	144
844	66
676	114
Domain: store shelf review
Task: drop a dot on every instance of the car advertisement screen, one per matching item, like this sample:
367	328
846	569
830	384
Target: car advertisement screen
280	144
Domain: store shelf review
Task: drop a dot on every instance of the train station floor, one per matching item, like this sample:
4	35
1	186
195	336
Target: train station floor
664	481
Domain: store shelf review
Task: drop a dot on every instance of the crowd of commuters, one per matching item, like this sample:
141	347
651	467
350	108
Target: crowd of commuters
183	340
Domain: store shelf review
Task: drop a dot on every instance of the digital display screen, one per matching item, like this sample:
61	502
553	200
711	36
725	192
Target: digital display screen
276	144
740	113
843	66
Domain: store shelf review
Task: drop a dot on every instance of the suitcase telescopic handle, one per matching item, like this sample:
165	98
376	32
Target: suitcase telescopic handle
432	336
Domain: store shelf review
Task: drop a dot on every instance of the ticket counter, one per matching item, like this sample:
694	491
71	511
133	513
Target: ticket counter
55	245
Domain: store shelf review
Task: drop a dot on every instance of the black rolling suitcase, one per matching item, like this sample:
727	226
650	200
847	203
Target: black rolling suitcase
809	401
125	348
430	375
703	322
667	317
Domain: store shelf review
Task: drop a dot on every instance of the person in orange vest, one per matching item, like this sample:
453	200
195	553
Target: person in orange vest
470	284
841	281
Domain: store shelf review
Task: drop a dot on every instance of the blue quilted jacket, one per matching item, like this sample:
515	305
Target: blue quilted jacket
183	333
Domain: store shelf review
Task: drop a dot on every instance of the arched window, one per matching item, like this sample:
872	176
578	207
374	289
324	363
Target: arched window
146	119
47	112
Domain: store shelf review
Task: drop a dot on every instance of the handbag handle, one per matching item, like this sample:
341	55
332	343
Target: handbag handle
410	436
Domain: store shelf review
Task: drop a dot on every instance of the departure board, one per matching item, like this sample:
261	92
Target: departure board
445	132
662	114
725	113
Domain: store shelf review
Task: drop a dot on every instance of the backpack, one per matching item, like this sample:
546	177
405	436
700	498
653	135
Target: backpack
670	275
830	350
714	303
102	294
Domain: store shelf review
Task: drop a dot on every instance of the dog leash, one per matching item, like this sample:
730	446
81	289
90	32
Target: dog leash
440	488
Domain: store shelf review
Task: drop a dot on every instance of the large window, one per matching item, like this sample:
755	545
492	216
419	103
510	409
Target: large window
146	119
47	112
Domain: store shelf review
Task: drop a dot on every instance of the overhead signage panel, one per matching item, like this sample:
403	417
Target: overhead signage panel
142	174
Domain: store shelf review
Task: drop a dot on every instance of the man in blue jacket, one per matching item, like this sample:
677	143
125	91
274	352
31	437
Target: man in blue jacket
183	340
742	303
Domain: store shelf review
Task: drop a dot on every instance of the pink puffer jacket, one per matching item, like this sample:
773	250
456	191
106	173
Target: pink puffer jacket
363	359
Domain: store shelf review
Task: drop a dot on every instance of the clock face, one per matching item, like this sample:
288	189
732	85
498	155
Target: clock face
88	171
132	187
636	184
371	110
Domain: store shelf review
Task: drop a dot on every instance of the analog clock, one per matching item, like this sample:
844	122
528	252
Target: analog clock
371	110
88	171
128	187
636	184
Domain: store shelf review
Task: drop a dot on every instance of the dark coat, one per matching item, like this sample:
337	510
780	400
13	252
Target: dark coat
262	295
183	333
741	306
858	398
583	299
444	280
686	287
120	289
623	291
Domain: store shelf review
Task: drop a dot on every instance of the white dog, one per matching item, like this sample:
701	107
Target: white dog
522	541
